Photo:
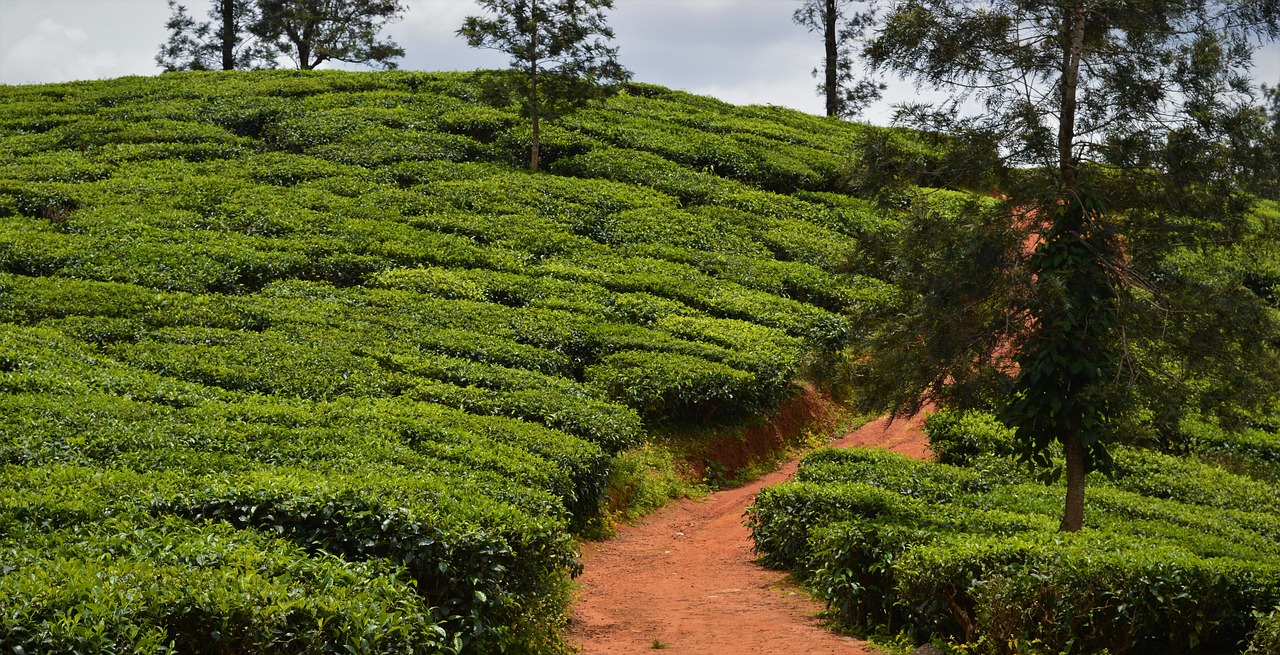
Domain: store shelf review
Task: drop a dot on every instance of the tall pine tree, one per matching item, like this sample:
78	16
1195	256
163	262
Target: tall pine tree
222	42
312	32
560	50
1122	121
845	96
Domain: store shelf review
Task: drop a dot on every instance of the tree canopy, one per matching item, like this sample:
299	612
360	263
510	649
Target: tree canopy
1110	287
840	28
560	48
222	42
242	34
312	32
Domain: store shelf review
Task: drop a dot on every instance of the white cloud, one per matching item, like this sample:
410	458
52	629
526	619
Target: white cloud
63	40
55	51
436	17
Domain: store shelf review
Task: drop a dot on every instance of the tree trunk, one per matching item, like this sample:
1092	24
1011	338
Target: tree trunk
1073	513
228	34
833	59
1072	51
537	136
304	55
533	89
303	34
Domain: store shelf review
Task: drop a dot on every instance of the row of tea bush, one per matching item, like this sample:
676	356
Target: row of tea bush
1177	555
305	362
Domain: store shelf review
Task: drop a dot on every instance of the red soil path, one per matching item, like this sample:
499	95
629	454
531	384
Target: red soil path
687	581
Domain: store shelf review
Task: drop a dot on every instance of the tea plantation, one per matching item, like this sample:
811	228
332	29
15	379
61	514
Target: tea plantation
1178	554
307	362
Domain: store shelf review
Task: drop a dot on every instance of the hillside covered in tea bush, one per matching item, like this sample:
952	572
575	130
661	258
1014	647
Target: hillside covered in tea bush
1180	554
308	362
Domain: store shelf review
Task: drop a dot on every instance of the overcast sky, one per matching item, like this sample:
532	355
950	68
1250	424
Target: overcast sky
742	51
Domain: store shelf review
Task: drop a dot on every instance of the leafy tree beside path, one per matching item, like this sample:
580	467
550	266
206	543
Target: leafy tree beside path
1126	126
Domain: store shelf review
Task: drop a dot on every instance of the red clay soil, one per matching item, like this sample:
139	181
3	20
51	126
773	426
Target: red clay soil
686	581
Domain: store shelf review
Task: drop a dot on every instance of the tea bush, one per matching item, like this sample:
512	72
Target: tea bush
1254	444
171	586
959	438
1172	560
306	361
1267	637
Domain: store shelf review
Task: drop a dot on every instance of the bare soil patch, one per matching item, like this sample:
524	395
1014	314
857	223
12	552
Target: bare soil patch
686	581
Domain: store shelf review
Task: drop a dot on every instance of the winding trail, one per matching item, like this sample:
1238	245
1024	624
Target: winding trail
686	582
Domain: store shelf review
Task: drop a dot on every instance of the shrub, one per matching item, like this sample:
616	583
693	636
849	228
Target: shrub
959	438
168	586
1086	591
376	146
673	386
962	555
608	425
1207	437
1266	639
782	516
642	168
491	573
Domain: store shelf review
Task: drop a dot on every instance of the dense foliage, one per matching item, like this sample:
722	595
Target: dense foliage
252	34
840	26
312	32
312	351
560	51
224	42
1137	138
1180	555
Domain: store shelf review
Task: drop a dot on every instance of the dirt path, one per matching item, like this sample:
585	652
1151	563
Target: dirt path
686	580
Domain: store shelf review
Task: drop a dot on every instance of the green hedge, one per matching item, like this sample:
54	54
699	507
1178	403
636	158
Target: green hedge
1253	444
1175	564
674	386
347	374
1267	637
1088	592
960	438
486	568
170	586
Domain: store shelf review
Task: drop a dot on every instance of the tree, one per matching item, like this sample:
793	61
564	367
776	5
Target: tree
560	48
845	97
1122	121
312	32
1269	143
1271	105
221	42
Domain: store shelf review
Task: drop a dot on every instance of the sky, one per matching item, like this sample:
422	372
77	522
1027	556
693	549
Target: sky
741	51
